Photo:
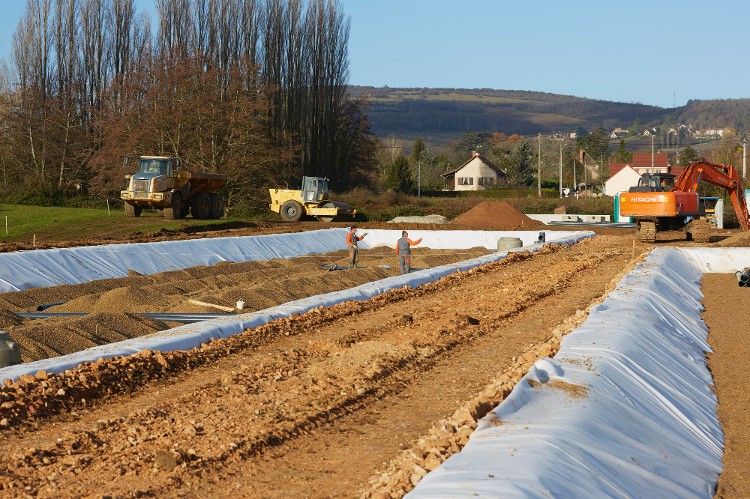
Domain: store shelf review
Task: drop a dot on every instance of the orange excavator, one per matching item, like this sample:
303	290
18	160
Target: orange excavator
661	202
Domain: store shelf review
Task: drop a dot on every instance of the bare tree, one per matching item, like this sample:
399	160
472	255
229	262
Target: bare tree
252	87
31	52
120	27
175	30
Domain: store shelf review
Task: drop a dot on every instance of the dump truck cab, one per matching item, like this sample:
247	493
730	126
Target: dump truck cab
164	183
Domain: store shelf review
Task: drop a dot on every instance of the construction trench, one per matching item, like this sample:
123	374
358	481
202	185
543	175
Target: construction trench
285	404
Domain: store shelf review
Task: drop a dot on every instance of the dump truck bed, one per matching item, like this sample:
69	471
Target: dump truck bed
206	182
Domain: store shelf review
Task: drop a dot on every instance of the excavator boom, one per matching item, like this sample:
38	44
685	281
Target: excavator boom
724	176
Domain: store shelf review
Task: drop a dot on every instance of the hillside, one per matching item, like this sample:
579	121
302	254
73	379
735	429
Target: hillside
443	114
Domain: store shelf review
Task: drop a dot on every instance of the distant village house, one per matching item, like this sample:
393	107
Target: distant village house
618	133
476	174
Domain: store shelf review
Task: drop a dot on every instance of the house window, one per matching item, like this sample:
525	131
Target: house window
486	181
465	181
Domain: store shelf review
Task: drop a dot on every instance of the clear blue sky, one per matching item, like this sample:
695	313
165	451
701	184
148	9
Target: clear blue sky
658	53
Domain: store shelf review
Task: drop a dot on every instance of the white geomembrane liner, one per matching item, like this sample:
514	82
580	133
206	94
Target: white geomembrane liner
53	267
625	408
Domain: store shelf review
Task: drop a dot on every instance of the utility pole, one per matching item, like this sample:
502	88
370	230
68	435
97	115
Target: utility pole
539	166
575	186
561	187
744	159
652	152
419	179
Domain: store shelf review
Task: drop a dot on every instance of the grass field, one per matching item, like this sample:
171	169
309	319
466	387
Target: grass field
21	223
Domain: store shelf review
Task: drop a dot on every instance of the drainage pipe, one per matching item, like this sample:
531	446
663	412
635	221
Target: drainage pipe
157	316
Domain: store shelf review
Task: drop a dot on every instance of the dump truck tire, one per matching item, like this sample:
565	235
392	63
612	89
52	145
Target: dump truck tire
184	210
217	205
201	206
291	211
175	209
132	210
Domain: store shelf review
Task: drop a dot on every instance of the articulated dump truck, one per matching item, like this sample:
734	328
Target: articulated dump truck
164	183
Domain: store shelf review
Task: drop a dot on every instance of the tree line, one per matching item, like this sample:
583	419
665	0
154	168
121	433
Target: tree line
255	89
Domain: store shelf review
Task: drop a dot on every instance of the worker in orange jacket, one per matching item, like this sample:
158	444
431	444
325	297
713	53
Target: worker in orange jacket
403	250
351	240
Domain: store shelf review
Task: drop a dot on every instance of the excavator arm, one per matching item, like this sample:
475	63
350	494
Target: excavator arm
724	176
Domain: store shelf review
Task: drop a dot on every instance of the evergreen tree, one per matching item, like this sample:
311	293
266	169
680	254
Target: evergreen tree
687	156
596	145
399	177
520	171
417	150
622	155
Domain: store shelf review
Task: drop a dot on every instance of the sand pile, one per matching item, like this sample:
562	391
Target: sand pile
737	240
427	219
496	214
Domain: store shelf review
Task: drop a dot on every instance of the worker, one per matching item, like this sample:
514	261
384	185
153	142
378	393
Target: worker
351	240
403	250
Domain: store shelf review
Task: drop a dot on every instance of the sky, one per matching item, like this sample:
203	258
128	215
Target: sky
657	53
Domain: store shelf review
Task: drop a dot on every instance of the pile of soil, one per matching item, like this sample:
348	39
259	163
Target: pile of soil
741	239
496	214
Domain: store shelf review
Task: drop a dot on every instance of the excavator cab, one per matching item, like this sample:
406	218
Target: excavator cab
654	182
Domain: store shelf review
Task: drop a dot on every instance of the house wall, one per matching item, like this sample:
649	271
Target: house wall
474	170
622	181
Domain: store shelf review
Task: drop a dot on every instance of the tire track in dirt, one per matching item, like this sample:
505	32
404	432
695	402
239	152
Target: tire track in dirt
279	387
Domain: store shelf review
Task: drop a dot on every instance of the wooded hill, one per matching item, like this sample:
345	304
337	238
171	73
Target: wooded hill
440	115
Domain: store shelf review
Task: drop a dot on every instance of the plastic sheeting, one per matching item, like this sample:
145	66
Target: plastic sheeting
114	260
625	408
53	267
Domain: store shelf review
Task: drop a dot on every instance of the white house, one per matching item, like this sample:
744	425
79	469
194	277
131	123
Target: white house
621	181
618	133
476	174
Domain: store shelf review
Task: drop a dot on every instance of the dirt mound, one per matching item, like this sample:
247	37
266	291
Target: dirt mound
494	214
737	240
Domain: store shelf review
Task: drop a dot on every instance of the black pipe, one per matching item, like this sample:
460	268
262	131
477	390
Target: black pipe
48	305
157	316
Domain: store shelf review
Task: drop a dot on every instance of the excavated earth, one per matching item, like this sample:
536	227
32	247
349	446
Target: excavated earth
360	399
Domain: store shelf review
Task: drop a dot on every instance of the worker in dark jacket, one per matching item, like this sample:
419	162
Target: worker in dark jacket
403	250
351	240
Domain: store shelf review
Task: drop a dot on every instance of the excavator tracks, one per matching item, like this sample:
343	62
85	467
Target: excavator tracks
700	231
647	231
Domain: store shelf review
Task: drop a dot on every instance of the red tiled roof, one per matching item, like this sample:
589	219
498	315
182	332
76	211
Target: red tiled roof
641	160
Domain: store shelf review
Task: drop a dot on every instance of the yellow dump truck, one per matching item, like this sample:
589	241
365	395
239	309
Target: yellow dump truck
164	183
311	201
